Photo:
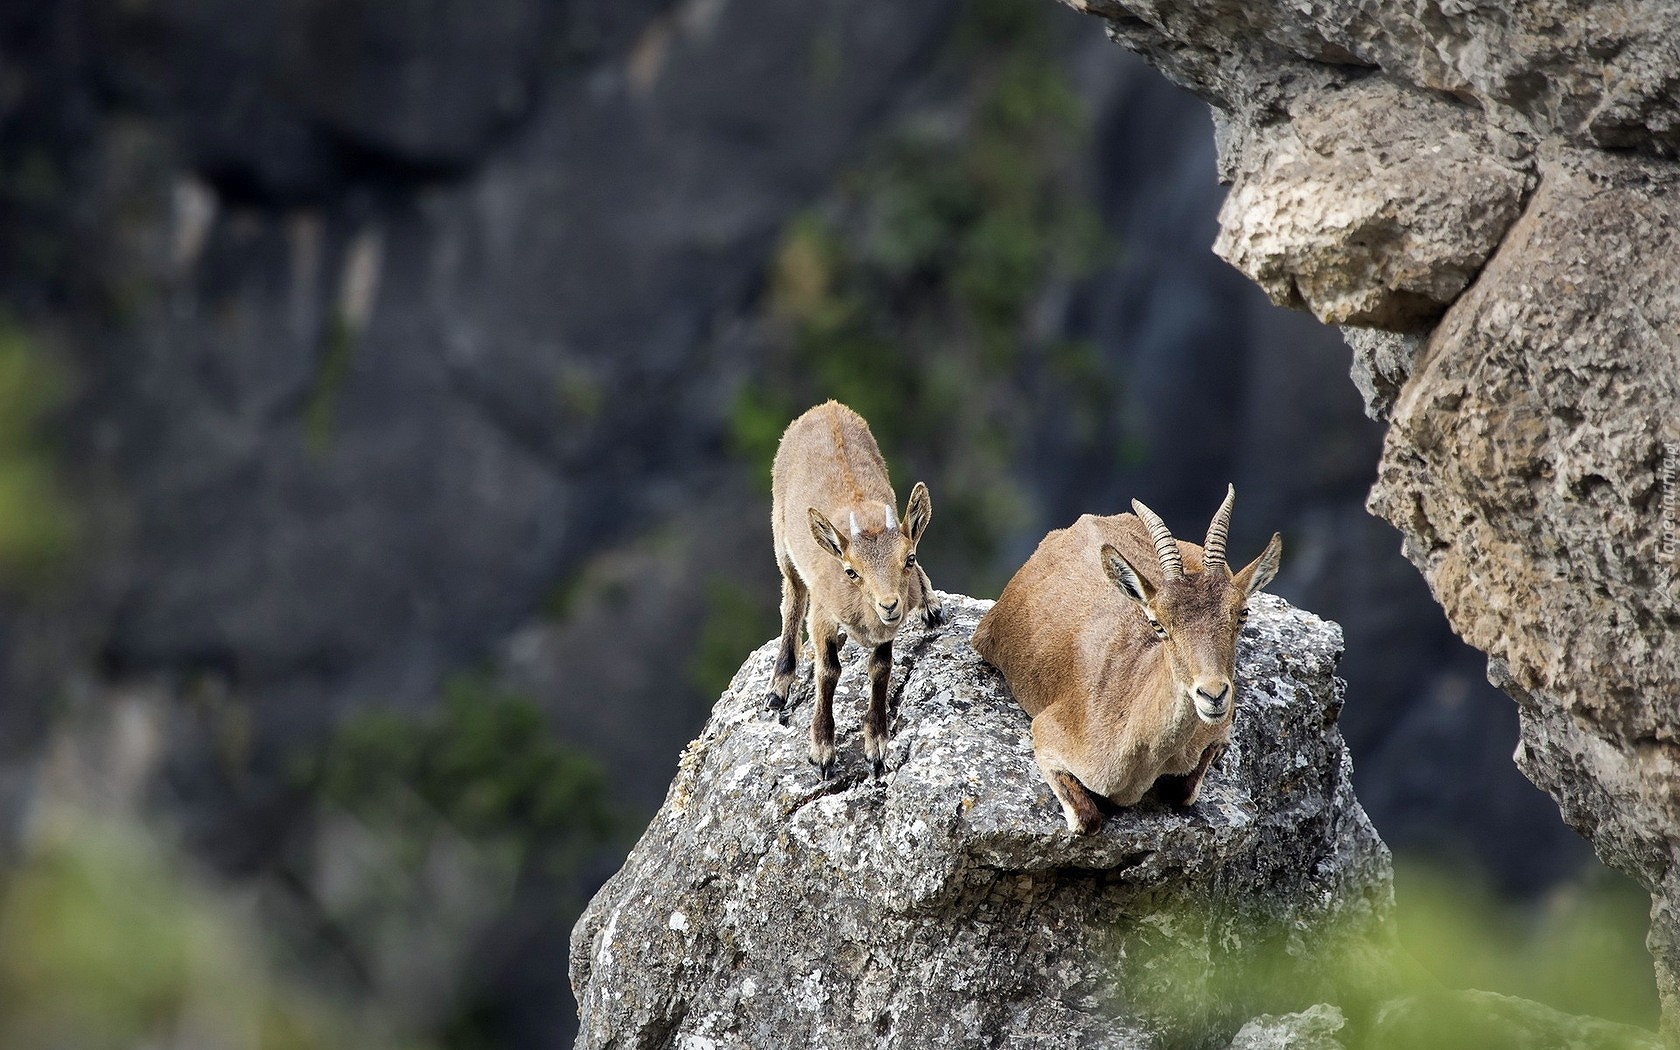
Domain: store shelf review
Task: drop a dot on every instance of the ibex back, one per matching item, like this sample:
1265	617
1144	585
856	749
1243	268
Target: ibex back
1121	641
848	565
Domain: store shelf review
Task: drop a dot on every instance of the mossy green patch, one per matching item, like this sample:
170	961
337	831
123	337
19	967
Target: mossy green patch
39	522
736	621
107	941
320	412
485	765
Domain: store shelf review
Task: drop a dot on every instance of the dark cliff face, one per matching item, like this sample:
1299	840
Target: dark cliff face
412	340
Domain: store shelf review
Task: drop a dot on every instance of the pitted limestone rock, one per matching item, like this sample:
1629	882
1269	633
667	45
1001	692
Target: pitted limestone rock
1373	205
945	904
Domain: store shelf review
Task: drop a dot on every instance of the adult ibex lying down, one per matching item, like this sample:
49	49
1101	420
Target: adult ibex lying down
1121	642
846	559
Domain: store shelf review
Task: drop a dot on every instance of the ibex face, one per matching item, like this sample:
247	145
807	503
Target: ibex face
1196	615
877	553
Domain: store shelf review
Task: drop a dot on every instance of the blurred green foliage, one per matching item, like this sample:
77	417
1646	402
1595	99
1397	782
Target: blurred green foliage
38	522
1578	955
735	622
484	765
445	831
909	299
107	942
1581	949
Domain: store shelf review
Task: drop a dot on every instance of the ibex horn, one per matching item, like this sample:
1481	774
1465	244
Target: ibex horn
1166	548
1213	549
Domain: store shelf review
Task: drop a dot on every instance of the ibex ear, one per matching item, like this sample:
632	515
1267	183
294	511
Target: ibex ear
917	513
1259	572
1131	582
826	537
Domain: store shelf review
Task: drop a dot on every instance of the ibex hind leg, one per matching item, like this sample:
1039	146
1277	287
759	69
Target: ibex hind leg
795	597
934	613
1078	807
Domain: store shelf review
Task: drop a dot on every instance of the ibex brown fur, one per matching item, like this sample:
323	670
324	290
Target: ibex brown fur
848	561
1120	641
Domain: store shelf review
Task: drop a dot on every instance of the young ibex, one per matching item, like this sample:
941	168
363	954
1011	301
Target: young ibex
1121	642
846	558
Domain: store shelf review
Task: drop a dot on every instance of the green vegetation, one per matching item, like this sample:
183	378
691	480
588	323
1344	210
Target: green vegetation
581	395
320	413
485	766
1581	950
908	297
734	624
1579	953
38	523
107	942
442	832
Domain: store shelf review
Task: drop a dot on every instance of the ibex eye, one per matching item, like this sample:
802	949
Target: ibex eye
851	573
910	560
1242	614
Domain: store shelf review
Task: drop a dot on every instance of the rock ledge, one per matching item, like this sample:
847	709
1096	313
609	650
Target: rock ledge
946	903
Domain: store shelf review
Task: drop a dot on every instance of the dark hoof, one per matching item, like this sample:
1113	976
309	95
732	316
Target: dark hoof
782	716
825	769
935	616
877	767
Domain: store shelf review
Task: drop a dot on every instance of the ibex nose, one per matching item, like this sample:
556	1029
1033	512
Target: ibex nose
888	607
1212	699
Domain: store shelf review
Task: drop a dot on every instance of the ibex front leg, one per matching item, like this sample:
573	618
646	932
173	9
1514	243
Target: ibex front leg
825	639
875	721
1184	790
795	597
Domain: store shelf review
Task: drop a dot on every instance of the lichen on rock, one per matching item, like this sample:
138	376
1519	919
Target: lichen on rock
946	904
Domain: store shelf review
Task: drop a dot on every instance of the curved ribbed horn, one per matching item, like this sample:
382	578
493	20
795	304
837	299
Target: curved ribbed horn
1213	548
1166	548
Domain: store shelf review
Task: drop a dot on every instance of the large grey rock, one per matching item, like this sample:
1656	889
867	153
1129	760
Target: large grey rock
946	904
1592	72
1529	465
1525	465
1372	204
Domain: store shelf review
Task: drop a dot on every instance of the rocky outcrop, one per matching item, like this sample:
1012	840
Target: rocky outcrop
946	904
1370	205
1380	155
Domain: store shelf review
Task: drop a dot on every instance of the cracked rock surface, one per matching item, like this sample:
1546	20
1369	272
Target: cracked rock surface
1489	191
945	904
